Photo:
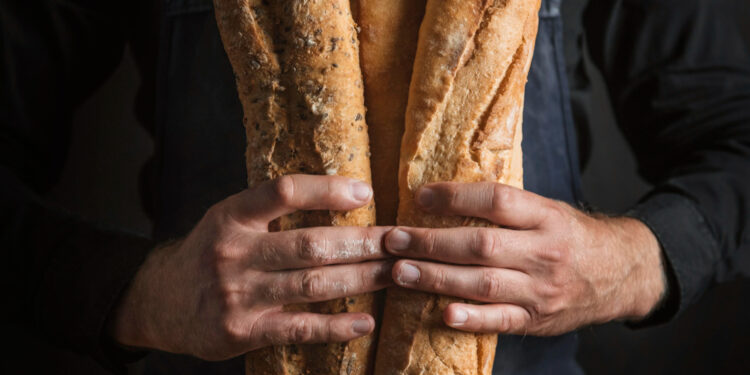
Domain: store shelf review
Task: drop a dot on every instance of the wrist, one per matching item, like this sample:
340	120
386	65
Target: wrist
646	285
129	324
125	326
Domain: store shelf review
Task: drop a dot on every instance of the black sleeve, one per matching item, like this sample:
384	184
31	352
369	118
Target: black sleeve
63	274
678	74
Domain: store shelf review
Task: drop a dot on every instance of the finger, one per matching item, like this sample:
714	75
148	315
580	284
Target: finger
482	246
283	328
496	285
326	283
288	194
497	318
501	204
306	248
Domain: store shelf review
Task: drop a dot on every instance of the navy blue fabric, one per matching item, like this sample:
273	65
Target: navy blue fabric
550	169
200	115
549	141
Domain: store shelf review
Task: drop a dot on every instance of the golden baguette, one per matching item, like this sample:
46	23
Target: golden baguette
463	123
300	84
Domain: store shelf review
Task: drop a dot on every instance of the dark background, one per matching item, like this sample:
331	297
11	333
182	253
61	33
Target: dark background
108	149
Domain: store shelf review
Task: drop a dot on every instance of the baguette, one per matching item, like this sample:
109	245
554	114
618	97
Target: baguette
300	84
463	123
389	30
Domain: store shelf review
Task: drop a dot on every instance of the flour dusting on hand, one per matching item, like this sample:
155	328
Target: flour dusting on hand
348	249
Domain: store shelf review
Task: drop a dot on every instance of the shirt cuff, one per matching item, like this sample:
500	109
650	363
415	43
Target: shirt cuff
83	284
689	249
66	274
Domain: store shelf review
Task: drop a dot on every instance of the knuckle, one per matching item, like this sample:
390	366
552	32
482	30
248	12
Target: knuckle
502	196
233	330
548	291
545	311
283	190
559	278
223	255
556	213
490	285
314	284
538	312
429	243
230	295
362	280
550	301
311	248
454	198
551	255
211	258
485	245
504	322
234	300
330	332
215	259
439	280
555	306
301	330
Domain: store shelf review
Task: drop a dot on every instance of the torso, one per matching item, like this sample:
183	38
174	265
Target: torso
200	145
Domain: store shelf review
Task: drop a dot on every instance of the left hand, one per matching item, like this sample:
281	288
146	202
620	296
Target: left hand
549	270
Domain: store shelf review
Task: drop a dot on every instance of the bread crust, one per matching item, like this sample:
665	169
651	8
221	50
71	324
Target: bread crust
300	84
463	123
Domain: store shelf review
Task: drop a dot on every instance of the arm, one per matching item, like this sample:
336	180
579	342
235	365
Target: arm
233	276
549	270
678	75
54	54
82	286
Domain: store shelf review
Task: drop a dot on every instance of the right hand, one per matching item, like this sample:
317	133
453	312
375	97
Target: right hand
219	292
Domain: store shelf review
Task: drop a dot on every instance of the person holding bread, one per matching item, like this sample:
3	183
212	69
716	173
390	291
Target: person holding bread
365	173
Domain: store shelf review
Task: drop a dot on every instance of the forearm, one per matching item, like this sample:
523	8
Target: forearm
679	79
65	274
62	272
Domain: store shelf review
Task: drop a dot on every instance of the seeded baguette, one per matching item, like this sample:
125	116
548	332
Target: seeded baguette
299	80
463	123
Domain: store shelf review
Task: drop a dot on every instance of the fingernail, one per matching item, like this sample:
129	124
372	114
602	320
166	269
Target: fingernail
361	191
425	197
408	274
361	326
398	240
460	316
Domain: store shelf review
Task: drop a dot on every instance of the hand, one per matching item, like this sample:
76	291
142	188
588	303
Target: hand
549	270
219	292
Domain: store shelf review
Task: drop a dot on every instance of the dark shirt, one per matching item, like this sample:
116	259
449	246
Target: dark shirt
678	74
